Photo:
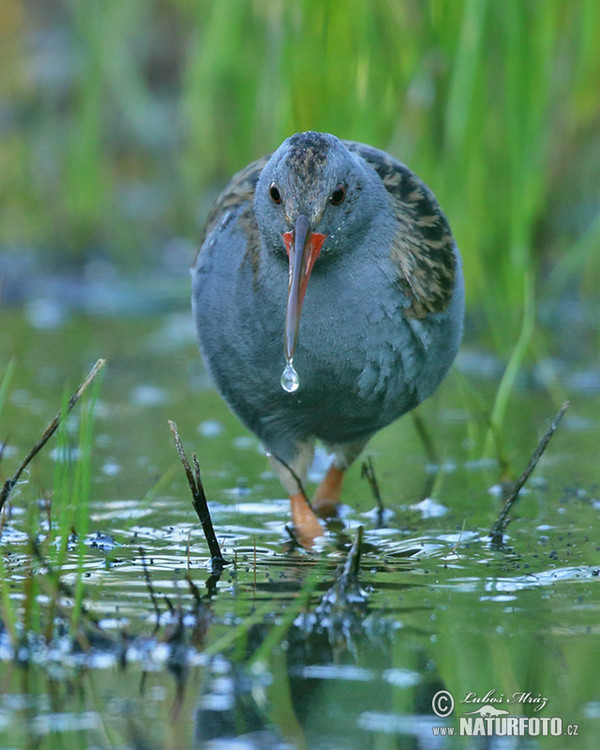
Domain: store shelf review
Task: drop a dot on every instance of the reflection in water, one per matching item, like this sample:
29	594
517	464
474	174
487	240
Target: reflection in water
316	680
233	706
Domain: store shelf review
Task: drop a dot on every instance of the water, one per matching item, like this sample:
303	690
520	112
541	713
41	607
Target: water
276	653
289	378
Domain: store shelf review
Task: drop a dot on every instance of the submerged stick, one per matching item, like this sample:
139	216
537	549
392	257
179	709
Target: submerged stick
503	520
199	499
48	432
352	564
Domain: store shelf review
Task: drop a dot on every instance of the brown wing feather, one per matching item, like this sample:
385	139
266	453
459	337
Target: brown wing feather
238	192
423	247
238	197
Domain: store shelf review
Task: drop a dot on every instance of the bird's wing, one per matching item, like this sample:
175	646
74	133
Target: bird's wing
423	250
237	194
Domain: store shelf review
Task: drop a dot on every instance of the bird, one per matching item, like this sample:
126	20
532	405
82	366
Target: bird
328	299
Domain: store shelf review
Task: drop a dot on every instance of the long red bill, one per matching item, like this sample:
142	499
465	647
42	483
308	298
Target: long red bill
303	248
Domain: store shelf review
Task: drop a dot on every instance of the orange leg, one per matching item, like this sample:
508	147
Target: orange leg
327	496
306	524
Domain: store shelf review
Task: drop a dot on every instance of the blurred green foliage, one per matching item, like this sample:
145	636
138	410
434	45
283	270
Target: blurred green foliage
121	120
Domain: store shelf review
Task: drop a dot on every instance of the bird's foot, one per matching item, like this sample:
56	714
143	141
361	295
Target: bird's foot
325	507
306	525
327	497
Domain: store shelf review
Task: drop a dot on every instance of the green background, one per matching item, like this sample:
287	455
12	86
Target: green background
121	120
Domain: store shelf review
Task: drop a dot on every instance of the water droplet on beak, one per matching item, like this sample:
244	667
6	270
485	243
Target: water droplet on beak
289	378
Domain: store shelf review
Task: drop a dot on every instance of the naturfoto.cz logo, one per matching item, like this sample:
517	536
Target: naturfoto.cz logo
492	716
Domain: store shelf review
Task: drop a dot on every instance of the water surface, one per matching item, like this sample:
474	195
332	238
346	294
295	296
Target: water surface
270	653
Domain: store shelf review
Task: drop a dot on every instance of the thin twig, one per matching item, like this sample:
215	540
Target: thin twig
503	520
430	451
48	432
294	475
454	549
199	500
367	471
426	439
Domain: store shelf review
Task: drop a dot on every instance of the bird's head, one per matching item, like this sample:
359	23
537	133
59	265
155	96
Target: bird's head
314	199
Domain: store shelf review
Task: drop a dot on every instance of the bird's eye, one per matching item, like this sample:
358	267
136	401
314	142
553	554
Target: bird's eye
338	194
274	193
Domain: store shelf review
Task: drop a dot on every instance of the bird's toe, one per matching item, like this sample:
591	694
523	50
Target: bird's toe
306	525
